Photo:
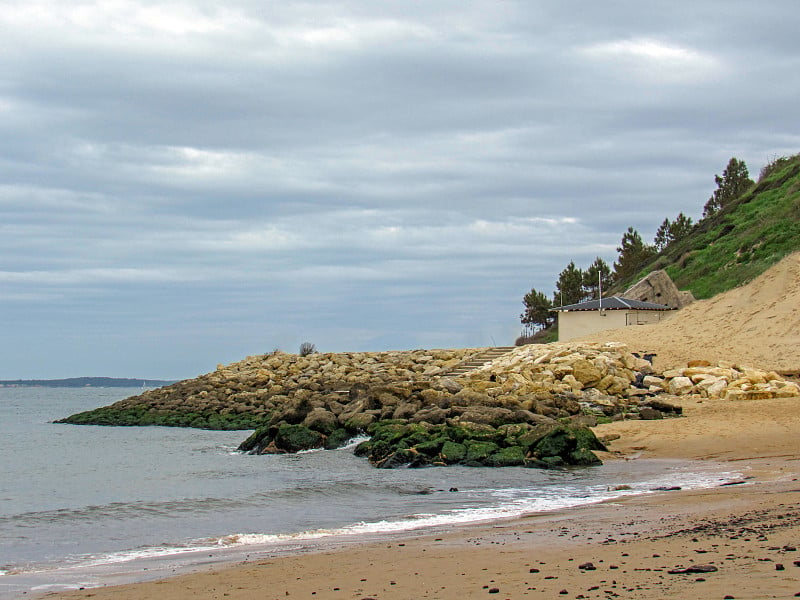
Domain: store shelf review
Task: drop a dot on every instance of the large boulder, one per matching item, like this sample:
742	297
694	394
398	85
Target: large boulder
658	287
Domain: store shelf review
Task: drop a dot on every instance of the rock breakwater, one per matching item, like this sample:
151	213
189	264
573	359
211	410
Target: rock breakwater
530	406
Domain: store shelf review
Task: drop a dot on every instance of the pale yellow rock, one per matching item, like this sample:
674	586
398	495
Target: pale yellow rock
574	384
680	386
758	395
585	372
672	373
733	394
787	392
652	380
560	370
604	383
618	386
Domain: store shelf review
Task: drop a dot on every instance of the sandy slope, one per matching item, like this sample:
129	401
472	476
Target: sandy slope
756	325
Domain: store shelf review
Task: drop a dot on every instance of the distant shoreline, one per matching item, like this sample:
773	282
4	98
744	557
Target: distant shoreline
80	382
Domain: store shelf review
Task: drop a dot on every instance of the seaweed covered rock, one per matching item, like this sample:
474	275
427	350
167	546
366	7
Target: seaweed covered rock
282	439
395	444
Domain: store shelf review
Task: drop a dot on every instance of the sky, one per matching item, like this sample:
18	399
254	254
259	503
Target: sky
186	184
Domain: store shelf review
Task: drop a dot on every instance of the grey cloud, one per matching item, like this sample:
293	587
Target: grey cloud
182	185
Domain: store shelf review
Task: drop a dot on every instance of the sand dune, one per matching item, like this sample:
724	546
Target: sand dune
756	325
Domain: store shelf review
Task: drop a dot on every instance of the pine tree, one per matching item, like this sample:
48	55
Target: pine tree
537	310
596	276
663	238
672	231
569	287
680	227
633	254
734	182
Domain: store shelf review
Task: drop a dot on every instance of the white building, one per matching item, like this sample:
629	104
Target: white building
578	320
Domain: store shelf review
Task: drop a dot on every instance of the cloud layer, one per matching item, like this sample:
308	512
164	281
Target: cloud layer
186	184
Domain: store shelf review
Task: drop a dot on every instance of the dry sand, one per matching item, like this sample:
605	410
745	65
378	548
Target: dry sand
744	531
745	534
756	325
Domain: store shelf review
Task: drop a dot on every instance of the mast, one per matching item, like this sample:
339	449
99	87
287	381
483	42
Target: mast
600	290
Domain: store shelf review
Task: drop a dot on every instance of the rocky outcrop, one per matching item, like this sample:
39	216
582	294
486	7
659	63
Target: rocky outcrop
547	445
417	415
659	288
245	394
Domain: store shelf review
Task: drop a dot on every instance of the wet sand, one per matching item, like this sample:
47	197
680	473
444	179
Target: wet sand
737	541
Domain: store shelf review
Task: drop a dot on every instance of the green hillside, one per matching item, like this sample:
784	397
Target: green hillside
742	240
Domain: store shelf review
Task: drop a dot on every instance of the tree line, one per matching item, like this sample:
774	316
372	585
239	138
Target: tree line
576	285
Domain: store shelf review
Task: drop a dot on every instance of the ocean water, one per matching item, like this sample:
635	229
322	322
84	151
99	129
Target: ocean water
82	506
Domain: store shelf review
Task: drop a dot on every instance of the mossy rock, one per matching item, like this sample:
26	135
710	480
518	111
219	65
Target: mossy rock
583	457
572	445
359	422
587	440
452	452
260	437
558	442
400	458
473	431
294	438
479	452
337	439
534	435
431	447
513	456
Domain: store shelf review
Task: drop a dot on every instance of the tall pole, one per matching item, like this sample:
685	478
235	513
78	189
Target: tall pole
600	289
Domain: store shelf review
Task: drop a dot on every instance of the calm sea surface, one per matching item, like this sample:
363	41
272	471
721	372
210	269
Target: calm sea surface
86	505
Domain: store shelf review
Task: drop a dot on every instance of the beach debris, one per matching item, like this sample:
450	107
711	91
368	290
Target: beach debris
694	569
587	566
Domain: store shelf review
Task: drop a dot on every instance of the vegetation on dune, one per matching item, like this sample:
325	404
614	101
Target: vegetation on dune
742	239
746	228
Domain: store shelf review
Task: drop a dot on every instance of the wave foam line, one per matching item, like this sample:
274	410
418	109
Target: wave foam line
513	504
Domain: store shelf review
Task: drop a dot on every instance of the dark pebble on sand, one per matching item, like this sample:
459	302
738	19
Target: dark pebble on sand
779	567
563	592
537	570
587	566
693	569
494	591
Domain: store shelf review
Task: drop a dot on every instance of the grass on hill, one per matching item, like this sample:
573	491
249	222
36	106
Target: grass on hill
743	240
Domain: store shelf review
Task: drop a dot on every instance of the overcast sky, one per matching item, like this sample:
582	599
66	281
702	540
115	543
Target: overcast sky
187	184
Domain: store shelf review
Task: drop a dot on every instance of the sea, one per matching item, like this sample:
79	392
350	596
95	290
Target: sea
85	506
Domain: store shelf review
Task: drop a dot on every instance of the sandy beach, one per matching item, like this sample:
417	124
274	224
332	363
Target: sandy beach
737	541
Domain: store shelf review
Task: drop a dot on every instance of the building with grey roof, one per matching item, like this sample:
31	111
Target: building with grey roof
584	318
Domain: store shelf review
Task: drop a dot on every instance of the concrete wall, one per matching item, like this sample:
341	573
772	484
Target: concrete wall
574	324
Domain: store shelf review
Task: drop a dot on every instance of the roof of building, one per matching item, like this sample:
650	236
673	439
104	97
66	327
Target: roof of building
613	303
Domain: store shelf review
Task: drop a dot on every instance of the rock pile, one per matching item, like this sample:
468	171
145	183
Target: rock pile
554	390
724	381
507	411
244	394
